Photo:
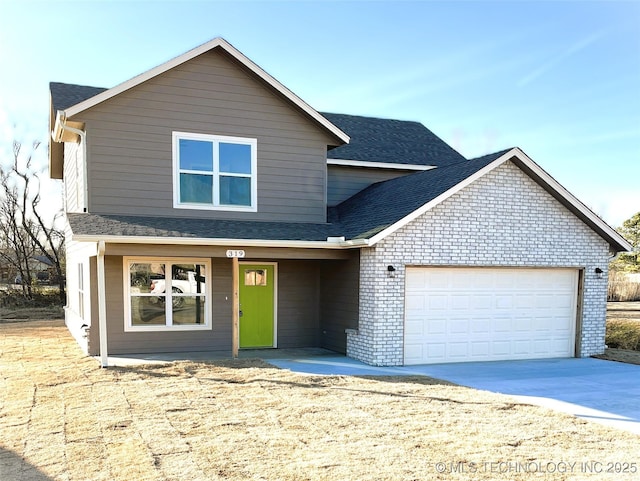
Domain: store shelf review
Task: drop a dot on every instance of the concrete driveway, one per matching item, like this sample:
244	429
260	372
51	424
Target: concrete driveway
593	389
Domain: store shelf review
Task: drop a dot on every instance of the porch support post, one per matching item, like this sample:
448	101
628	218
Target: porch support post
102	307
236	309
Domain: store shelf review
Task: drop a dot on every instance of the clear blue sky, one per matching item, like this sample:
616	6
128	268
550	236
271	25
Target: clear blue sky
560	79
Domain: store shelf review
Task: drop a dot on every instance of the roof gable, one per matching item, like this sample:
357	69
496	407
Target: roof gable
93	97
383	208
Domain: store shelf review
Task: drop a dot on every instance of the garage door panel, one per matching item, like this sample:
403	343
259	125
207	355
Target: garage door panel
416	277
506	279
416	302
480	348
459	302
437	326
471	314
458	350
525	301
436	352
438	302
521	347
481	302
414	327
480	326
501	349
504	302
543	325
413	354
436	281
542	347
458	326
501	325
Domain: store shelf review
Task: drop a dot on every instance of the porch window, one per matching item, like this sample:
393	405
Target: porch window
167	294
214	172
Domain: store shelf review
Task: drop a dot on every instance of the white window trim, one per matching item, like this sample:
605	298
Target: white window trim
215	173
128	327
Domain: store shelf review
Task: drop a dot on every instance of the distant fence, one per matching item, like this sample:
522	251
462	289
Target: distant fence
623	287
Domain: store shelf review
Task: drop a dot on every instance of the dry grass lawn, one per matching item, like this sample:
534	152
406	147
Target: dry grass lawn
64	418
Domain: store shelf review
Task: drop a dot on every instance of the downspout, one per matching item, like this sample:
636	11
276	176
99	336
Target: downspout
61	121
102	307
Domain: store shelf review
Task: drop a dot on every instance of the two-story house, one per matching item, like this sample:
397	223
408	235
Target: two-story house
366	236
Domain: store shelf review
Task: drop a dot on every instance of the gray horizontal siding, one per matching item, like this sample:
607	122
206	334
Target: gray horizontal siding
298	304
344	182
298	310
339	299
121	342
130	150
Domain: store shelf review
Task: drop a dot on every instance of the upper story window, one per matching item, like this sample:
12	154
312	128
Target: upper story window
214	172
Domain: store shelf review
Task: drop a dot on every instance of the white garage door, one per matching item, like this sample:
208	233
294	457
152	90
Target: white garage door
487	314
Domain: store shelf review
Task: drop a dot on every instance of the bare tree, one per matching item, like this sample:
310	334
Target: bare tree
25	231
17	245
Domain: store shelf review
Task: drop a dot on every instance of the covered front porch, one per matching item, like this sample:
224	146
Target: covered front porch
311	299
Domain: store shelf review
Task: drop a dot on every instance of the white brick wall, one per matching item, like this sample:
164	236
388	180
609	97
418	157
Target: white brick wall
502	219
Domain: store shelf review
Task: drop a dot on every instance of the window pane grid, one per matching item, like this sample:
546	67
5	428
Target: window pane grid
203	183
167	295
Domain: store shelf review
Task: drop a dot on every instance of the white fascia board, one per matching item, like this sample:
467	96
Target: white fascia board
218	242
445	195
231	50
378	165
572	200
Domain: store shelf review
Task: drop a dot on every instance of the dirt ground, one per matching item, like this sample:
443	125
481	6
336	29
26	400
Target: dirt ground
62	417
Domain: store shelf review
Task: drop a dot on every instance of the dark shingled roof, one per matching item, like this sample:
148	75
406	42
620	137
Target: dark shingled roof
393	141
180	227
67	95
372	139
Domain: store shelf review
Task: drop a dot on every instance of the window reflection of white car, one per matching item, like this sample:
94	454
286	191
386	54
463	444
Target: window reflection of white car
178	286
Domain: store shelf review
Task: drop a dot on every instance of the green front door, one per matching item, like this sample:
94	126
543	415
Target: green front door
256	305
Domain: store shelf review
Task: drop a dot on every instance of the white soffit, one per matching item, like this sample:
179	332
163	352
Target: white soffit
379	165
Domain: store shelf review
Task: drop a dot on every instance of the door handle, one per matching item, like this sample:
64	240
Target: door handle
240	314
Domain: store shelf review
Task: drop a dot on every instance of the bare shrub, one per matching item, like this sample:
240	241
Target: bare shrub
623	334
622	288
